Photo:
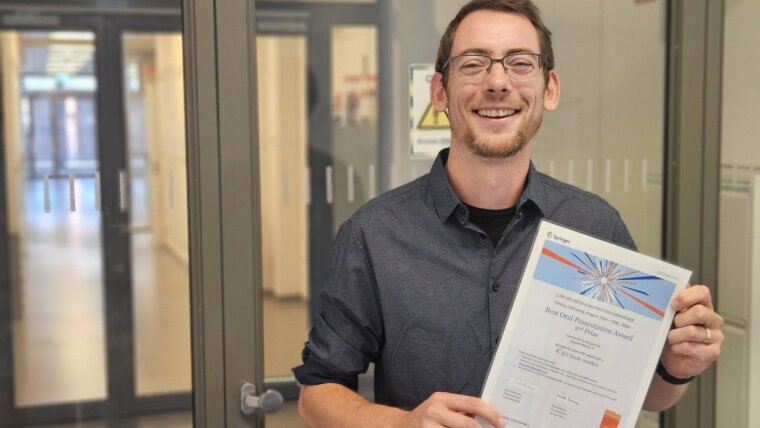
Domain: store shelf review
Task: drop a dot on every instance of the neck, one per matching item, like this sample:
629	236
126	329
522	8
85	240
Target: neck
487	183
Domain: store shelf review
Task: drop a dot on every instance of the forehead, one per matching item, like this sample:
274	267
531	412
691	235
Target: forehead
495	32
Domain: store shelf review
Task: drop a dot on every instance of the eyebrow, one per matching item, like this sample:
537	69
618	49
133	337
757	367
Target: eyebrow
481	51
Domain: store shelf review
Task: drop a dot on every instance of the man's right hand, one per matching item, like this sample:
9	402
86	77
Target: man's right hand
331	405
443	409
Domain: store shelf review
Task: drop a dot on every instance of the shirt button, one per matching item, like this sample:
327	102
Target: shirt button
494	286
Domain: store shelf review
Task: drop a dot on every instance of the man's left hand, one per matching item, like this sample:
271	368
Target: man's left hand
695	340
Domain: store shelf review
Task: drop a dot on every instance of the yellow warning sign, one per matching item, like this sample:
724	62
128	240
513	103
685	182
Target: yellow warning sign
433	119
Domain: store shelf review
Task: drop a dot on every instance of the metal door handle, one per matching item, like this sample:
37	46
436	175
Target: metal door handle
269	402
123	191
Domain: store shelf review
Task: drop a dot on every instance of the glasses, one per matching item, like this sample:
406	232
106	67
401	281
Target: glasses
518	67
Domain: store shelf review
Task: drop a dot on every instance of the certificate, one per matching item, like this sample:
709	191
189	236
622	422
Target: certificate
584	334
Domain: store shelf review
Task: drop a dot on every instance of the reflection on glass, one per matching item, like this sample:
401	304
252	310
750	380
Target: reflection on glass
54	219
354	113
606	136
154	99
284	198
738	368
287	180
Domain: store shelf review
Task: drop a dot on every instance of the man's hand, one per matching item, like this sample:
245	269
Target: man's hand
694	343
331	405
442	409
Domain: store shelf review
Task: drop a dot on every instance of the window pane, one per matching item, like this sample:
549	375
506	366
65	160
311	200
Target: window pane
154	101
284	199
52	176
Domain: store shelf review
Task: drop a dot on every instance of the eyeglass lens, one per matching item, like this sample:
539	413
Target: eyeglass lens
518	67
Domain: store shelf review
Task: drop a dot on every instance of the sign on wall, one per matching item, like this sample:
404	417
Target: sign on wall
428	129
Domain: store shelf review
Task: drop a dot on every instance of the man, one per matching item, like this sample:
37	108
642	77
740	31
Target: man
423	276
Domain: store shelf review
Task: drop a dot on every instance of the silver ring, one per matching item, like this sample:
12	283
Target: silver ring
708	336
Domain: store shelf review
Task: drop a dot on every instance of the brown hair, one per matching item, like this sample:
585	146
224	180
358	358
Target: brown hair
525	8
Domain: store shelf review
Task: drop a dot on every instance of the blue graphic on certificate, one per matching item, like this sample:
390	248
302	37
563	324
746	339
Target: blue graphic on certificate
584	333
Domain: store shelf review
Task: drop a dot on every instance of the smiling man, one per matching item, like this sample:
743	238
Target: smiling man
424	275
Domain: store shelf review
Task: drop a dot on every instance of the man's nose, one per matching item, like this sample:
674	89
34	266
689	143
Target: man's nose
497	79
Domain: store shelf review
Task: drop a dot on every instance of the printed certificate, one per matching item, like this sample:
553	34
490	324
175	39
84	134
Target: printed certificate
584	334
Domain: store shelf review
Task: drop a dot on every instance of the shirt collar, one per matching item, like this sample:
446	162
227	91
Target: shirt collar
535	191
446	201
444	198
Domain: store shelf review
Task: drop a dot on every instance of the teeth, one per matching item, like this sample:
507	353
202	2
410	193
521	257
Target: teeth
497	113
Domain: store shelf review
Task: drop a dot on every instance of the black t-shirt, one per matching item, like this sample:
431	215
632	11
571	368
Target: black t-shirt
492	222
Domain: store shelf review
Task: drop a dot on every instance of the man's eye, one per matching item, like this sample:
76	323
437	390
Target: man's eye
472	65
520	67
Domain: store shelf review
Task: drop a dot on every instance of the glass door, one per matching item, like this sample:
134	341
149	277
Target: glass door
153	90
318	148
94	299
52	175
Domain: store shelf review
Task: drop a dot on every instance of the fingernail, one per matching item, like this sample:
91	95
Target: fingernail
502	422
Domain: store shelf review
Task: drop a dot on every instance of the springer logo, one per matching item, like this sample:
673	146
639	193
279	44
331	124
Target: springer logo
557	238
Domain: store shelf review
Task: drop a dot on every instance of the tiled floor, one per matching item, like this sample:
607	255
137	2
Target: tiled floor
59	317
287	417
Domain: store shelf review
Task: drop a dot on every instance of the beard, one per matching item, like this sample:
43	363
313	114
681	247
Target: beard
501	147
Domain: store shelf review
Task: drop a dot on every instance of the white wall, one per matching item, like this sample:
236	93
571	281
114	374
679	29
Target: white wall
740	131
14	151
282	147
354	71
165	119
354	141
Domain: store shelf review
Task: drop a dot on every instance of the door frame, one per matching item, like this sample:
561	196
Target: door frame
692	159
107	25
224	206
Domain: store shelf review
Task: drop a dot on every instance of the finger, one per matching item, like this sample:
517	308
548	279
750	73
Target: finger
694	295
474	406
706	354
451	419
694	333
699	315
690	333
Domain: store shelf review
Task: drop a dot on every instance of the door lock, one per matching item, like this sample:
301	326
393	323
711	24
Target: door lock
269	402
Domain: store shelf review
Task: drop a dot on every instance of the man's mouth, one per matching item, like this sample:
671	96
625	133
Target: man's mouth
497	113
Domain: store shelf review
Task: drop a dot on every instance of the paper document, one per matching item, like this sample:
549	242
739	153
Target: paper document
584	334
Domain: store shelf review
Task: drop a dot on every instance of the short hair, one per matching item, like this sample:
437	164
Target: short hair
525	8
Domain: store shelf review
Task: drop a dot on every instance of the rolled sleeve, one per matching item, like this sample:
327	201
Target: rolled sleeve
348	333
315	372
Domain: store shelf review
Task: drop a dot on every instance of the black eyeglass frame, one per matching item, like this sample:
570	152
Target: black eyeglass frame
543	61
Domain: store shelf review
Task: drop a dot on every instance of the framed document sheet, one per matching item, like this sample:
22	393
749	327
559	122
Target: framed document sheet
584	333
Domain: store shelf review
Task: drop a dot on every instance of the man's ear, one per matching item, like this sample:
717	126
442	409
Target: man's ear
438	96
551	93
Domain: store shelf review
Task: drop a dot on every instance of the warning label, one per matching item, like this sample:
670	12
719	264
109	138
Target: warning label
428	128
433	119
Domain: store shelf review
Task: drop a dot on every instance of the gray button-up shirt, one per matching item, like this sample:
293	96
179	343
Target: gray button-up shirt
420	291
